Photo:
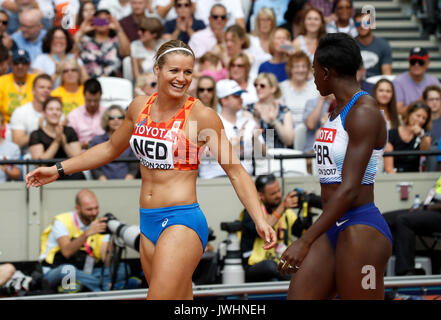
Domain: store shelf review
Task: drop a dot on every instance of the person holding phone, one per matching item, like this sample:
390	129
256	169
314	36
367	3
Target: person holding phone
102	45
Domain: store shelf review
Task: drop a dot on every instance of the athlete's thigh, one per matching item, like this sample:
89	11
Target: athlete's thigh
146	252
361	259
316	277
177	254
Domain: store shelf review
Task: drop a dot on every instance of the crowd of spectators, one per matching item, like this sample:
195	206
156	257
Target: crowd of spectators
52	54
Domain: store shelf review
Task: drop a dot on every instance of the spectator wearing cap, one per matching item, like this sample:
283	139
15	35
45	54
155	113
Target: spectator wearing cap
16	87
409	85
375	51
241	131
30	35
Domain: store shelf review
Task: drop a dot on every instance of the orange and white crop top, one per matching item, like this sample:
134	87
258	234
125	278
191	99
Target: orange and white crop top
163	145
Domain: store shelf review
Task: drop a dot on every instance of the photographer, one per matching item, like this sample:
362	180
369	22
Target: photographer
74	239
260	264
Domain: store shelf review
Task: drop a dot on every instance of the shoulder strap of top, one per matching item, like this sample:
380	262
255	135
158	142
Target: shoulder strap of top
349	105
150	100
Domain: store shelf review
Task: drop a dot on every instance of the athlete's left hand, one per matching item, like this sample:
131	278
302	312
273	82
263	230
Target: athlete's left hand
267	233
291	259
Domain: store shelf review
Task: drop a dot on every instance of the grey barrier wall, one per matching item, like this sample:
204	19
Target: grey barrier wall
25	213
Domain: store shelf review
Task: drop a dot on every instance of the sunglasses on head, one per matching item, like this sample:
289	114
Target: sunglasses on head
116	117
205	89
415	61
216	17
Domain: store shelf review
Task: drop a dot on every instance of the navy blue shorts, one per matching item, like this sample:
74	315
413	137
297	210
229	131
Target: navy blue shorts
154	221
367	214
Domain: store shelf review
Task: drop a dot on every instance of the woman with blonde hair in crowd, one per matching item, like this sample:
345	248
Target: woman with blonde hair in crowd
206	92
312	29
71	89
146	84
235	41
269	113
239	71
384	93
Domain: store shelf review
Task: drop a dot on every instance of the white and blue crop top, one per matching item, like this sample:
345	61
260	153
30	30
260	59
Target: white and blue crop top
330	149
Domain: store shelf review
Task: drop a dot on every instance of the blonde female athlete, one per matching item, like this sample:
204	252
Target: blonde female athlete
166	132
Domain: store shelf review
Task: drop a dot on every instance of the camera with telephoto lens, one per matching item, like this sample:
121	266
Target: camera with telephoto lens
230	254
129	235
304	216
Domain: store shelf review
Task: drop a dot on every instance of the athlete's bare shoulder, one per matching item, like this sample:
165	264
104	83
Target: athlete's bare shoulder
205	116
136	107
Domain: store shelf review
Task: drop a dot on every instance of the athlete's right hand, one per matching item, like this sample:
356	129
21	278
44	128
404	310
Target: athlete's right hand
41	176
267	233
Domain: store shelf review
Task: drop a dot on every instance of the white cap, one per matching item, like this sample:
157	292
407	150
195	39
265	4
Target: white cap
226	87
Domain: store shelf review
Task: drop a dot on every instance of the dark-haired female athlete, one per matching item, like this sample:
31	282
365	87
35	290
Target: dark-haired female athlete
345	252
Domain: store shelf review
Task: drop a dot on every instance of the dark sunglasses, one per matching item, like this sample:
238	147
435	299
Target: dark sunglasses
205	89
20	61
216	17
71	70
260	85
415	61
116	117
182	5
4	22
153	84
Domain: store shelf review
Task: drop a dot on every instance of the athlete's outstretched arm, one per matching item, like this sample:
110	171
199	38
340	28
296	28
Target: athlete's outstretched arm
94	157
212	131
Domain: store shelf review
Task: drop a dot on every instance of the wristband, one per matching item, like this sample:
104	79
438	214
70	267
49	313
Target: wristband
60	169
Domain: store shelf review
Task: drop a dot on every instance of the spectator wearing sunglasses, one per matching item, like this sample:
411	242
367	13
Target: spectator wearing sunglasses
233	7
409	85
6	40
111	120
183	27
206	92
206	39
375	51
146	84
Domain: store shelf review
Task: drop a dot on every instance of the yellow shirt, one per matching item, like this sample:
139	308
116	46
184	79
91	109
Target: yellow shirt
70	100
12	95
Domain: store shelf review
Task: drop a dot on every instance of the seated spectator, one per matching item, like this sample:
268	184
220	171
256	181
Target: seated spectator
279	7
239	70
8	151
130	24
183	27
166	9
71	89
260	38
314	116
384	93
57	48
375	51
143	50
239	130
5	38
406	225
432	97
146	84
312	29
55	140
409	85
65	243
343	10
410	135
278	48
297	90
294	16
112	119
29	117
5	66
31	33
102	45
87	9
260	264
118	8
16	87
326	7
211	65
206	92
270	114
235	41
234	11
86	119
206	39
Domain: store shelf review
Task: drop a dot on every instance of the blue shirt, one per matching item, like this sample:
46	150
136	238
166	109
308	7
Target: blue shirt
279	7
33	48
278	69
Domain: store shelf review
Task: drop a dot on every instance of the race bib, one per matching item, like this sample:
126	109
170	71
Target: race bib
326	166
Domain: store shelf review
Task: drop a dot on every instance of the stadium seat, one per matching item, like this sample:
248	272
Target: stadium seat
116	91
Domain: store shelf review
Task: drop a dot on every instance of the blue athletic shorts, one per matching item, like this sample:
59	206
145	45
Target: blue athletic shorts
367	214
154	221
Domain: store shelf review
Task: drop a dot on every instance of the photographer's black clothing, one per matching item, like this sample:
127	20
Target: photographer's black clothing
405	225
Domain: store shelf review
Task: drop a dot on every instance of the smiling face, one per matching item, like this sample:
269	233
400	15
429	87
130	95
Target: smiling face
418	117
53	112
312	21
433	101
299	71
206	91
59	42
175	76
384	93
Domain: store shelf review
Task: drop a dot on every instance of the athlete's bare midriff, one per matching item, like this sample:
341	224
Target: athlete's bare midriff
365	196
167	188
